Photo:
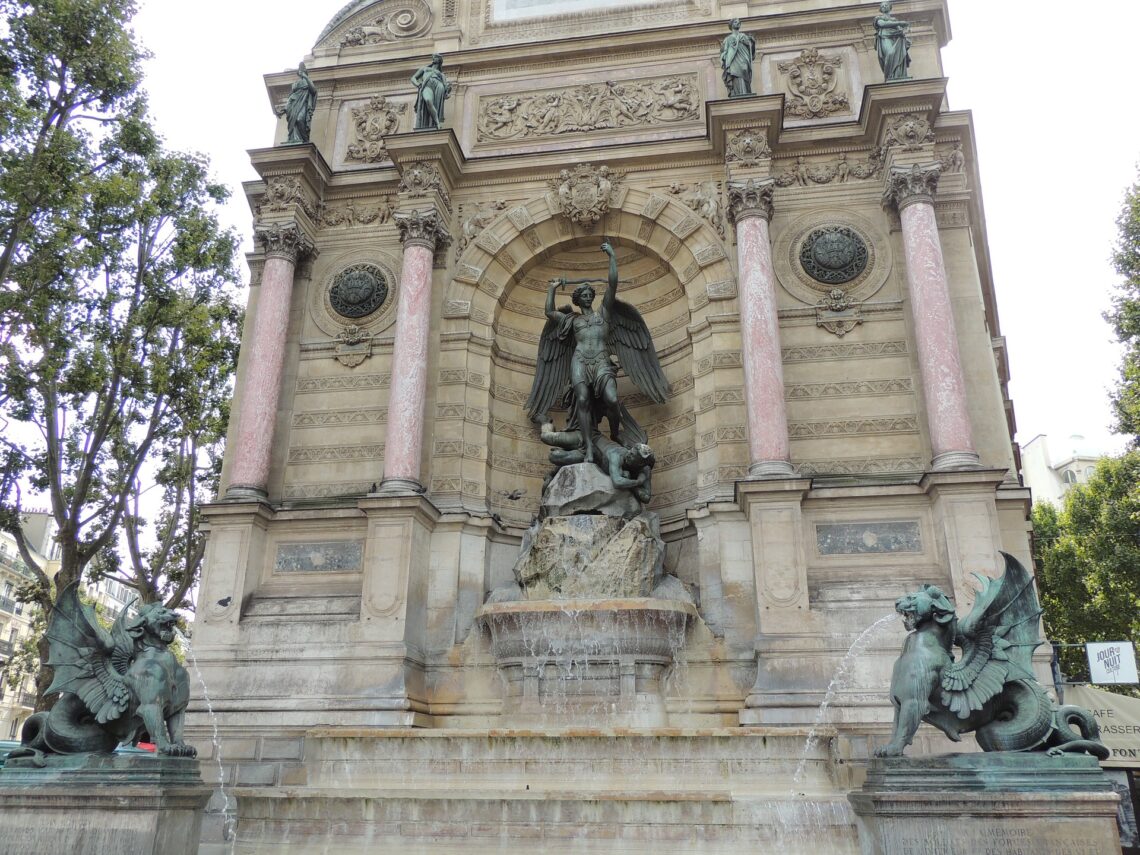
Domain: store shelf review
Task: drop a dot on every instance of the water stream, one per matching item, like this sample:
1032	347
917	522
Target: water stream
839	681
228	819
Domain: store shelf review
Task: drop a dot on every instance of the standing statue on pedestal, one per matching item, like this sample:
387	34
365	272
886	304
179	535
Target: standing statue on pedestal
576	363
737	53
432	89
990	689
892	44
298	110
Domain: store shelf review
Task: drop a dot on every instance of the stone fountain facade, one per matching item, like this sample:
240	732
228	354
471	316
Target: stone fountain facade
814	271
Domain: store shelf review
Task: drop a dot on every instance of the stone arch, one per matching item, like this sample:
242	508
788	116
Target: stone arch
702	329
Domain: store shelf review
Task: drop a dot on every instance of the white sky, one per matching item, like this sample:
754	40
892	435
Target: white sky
1055	118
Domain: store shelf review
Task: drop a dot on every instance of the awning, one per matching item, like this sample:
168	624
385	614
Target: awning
1119	720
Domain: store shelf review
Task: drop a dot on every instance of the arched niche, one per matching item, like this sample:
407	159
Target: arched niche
681	281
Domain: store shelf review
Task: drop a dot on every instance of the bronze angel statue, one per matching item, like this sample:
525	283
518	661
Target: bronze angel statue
990	689
576	362
116	686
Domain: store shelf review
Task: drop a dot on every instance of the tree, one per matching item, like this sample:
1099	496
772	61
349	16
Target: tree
1125	313
1088	560
119	322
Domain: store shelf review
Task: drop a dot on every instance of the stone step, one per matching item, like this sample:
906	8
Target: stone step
292	822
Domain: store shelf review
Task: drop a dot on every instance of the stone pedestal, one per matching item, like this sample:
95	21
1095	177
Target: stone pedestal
119	804
978	804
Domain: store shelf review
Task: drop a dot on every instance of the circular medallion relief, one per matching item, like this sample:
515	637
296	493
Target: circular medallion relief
834	255
358	291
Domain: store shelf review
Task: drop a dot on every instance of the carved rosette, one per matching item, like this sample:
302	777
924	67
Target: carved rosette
284	240
906	186
750	198
422	228
747	147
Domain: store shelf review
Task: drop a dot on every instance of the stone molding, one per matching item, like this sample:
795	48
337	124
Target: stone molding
285	240
422	228
908	186
750	198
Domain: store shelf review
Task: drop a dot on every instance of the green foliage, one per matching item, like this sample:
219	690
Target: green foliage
118	319
1125	314
1088	560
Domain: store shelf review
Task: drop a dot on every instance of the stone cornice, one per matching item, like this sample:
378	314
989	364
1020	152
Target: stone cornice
907	186
751	198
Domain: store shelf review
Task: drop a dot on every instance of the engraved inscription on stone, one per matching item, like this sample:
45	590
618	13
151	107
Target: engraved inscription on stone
1004	840
358	291
834	255
869	538
334	556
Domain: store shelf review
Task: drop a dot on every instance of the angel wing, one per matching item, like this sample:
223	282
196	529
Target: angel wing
552	371
631	341
89	662
997	638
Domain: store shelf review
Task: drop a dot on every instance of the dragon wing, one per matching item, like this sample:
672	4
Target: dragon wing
552	370
997	638
85	656
630	339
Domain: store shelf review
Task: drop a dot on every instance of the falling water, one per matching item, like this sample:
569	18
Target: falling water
228	830
839	681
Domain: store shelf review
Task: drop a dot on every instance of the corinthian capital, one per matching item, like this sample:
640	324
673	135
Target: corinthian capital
284	240
422	228
916	184
751	198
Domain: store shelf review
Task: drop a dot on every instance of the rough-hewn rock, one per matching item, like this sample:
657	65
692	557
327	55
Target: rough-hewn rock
583	488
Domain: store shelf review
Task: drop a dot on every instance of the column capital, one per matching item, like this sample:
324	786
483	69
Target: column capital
907	185
284	240
422	228
751	198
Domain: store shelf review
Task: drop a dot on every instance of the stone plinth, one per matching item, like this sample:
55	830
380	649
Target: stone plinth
568	661
978	804
120	804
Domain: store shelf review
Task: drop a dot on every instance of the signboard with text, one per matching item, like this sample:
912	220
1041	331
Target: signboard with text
1111	662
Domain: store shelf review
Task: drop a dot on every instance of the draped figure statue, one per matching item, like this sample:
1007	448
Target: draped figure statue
737	53
299	108
432	89
576	364
892	44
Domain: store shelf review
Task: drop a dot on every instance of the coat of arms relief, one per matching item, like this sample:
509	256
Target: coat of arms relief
813	85
586	193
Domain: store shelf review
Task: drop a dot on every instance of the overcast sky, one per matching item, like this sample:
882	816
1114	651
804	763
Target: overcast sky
1055	118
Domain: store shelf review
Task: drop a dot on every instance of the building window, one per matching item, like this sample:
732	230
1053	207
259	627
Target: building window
1070	477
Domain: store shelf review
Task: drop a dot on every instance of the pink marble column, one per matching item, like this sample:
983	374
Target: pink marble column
750	205
420	232
261	389
936	336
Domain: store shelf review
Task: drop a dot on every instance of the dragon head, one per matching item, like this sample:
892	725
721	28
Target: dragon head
154	623
921	607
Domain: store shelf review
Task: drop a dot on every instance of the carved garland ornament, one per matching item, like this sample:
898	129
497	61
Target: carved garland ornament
590	107
812	83
839	170
372	123
402	20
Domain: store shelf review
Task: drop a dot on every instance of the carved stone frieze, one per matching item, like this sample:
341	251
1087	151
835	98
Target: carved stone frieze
425	228
353	214
910	132
747	147
813	82
703	197
371	123
590	107
840	170
585	193
287	240
401	19
750	198
475	218
954	161
916	184
282	193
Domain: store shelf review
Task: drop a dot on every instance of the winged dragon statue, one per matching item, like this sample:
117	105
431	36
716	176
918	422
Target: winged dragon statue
991	689
576	366
115	686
